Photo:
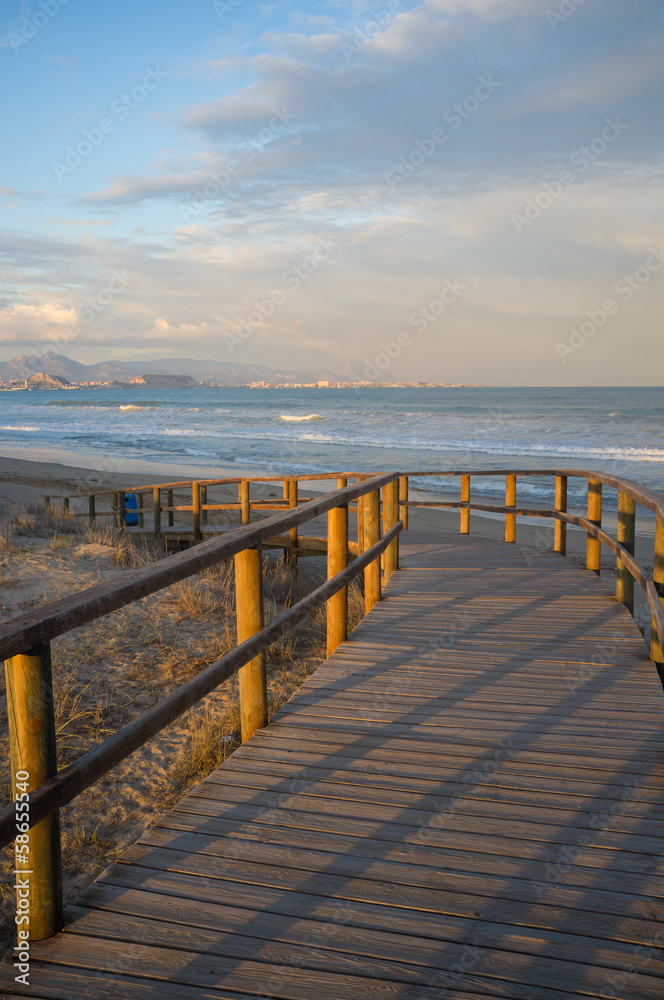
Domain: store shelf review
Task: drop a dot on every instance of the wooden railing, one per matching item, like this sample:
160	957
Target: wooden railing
25	647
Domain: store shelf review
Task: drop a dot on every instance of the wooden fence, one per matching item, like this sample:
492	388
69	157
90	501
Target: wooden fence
25	641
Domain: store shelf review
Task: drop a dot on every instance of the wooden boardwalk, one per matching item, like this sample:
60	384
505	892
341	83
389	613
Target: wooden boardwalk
465	801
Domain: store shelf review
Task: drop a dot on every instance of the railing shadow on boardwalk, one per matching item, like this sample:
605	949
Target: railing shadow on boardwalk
532	894
527	883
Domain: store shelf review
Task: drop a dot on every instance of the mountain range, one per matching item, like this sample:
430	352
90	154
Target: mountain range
225	373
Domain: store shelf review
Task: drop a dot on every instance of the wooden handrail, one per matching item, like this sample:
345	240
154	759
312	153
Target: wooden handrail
67	784
43	624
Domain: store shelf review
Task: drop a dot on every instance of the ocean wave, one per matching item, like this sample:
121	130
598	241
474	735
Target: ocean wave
105	404
20	427
297	419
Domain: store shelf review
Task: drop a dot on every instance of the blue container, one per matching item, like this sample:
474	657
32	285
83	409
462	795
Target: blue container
131	508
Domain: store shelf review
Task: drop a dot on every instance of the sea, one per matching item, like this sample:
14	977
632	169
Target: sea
225	431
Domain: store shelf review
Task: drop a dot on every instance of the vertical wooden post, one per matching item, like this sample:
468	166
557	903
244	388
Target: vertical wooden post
47	502
249	608
593	545
403	495
116	509
510	501
292	534
390	518
156	510
122	513
196	510
371	536
560	528
360	525
204	500
465	513
91	508
65	504
626	537
244	497
337	560
141	506
656	651
32	739
285	496
170	505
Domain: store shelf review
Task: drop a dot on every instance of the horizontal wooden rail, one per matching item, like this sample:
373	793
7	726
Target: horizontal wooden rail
40	625
67	784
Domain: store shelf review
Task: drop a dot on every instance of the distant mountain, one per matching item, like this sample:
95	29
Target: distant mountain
226	373
27	365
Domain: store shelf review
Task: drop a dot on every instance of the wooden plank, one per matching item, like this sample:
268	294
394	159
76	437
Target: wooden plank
497	963
311	919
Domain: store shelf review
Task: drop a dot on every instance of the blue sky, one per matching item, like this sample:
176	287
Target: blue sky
301	183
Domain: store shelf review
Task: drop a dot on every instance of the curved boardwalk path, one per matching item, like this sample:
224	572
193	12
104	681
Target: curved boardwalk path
465	801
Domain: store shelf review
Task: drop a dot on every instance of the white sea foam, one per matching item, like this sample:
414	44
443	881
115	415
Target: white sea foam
297	419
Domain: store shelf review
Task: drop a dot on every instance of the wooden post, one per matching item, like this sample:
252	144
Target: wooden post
626	537
371	536
465	513
656	651
292	534
141	506
122	513
204	500
33	760
560	528
196	510
594	546
249	608
156	510
285	494
116	509
244	497
65	504
337	560
171	512
360	525
510	501
47	502
390	518
91	508
403	495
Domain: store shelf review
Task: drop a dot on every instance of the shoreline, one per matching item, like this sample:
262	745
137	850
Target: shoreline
24	481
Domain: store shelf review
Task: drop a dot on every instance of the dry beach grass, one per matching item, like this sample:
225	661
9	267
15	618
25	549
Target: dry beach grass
108	672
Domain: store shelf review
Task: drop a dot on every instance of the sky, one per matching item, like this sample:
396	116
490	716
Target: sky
454	190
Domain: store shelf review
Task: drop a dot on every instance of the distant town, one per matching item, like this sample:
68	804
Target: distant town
42	381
